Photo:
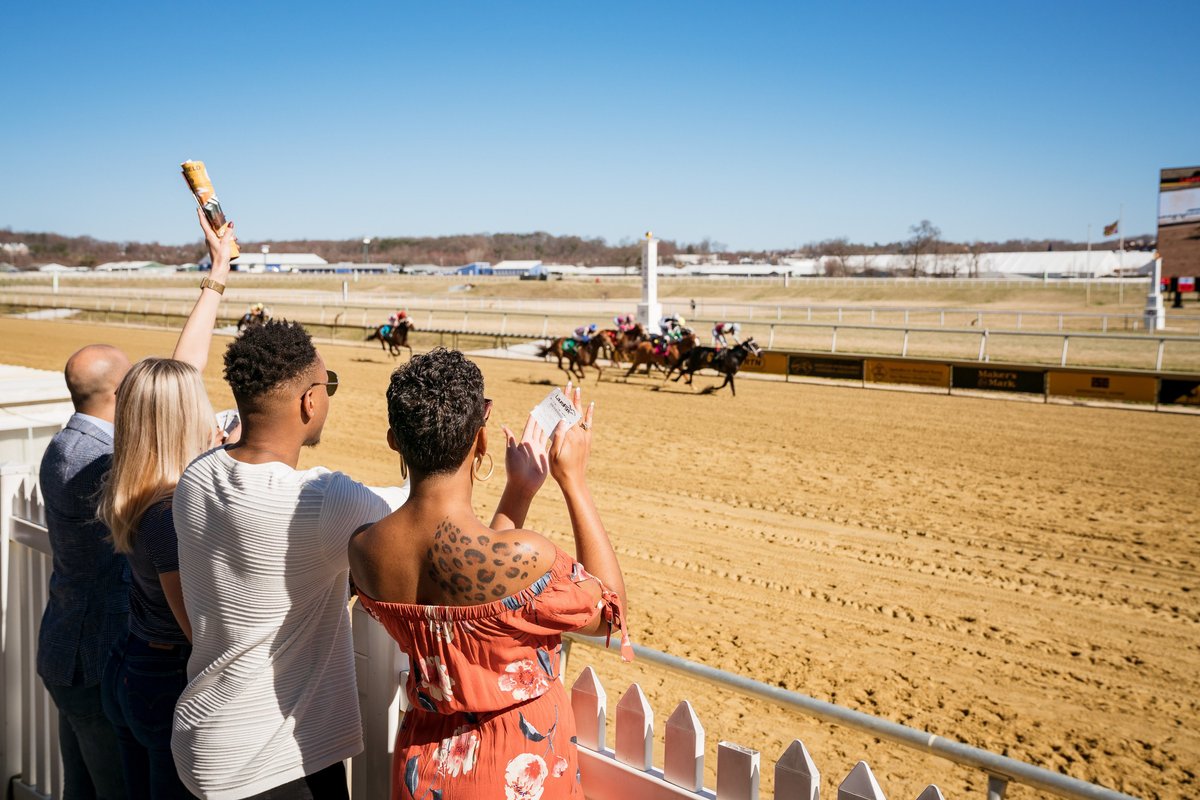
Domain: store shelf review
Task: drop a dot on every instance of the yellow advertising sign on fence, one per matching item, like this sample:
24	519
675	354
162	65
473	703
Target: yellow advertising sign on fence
916	373
771	363
1104	386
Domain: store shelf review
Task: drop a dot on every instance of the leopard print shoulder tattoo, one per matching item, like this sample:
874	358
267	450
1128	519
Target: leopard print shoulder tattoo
477	569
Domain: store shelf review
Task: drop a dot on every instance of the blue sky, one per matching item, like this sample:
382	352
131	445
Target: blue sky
755	124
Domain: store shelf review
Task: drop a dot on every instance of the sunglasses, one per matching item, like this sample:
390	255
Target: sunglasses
330	384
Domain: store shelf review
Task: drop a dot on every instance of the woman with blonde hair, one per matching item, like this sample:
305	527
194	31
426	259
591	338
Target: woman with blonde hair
163	421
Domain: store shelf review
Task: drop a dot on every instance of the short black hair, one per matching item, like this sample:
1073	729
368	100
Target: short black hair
435	408
265	356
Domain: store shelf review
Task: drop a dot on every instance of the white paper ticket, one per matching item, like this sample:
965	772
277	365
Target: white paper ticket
555	407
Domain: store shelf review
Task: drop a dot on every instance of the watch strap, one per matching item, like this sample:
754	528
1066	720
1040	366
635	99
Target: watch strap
209	283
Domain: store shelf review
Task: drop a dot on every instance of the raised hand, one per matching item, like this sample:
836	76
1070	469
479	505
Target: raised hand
570	448
526	461
218	246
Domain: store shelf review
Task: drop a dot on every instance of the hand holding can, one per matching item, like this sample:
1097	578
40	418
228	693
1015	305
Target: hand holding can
198	181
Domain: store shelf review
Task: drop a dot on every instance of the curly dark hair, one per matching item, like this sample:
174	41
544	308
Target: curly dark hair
435	408
267	355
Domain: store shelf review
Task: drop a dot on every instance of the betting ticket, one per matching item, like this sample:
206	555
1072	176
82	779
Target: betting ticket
555	407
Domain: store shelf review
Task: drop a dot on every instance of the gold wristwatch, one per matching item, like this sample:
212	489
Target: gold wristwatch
209	283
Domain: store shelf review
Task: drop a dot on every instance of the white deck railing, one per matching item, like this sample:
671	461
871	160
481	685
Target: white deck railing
29	748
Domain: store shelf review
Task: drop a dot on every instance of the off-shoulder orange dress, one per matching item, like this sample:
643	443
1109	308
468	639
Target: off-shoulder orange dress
490	716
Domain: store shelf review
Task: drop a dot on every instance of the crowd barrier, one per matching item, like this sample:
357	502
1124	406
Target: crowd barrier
30	756
1161	390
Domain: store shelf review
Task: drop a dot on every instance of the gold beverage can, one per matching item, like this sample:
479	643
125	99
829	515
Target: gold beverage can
198	181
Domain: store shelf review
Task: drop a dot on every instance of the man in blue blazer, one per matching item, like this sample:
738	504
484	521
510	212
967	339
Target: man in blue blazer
88	610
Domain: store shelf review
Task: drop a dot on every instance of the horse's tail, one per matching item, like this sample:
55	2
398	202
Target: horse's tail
372	335
544	350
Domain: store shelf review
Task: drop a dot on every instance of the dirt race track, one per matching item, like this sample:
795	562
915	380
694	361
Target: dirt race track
1018	576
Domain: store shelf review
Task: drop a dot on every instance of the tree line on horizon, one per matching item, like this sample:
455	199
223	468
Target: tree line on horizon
924	240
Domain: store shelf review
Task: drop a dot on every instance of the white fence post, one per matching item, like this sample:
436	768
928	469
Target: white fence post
737	772
796	776
589	702
635	729
12	477
382	671
683	757
860	784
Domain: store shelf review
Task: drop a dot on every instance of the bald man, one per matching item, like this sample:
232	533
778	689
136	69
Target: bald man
88	609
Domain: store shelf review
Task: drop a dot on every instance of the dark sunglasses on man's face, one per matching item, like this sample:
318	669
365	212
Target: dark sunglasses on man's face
330	384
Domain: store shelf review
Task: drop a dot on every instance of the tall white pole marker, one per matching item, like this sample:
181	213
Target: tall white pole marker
649	311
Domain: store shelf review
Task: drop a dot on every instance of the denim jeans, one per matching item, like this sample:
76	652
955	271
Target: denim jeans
142	683
90	753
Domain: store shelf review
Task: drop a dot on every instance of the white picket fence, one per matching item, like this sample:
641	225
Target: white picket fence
29	747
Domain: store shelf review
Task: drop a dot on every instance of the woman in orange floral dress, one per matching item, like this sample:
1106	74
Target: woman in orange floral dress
480	610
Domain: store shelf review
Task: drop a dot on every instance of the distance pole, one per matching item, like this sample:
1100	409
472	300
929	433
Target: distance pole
1121	256
1088	268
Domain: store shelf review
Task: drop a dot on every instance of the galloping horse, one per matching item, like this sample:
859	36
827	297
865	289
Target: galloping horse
646	352
577	355
250	319
726	362
395	338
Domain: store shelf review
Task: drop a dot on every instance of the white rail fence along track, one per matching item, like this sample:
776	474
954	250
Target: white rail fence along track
1148	350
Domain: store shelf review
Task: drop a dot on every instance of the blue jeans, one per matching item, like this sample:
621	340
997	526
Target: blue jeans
142	683
88	743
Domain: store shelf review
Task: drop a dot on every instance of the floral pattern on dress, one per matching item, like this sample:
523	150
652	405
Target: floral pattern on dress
456	755
435	679
524	679
524	776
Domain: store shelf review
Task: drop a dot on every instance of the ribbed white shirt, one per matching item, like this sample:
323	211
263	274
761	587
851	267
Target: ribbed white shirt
262	558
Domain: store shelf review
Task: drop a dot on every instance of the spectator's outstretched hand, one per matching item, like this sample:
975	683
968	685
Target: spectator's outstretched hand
570	448
218	246
526	461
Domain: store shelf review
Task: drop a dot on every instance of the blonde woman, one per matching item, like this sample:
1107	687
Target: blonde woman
163	421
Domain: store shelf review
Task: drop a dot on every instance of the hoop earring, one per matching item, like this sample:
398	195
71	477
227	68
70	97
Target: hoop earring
403	469
479	463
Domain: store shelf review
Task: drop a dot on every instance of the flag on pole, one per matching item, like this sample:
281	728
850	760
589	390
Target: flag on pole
1109	230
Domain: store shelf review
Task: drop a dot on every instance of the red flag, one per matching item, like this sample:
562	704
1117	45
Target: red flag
1110	230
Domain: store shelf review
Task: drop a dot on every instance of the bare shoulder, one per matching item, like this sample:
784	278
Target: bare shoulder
526	545
479	565
372	551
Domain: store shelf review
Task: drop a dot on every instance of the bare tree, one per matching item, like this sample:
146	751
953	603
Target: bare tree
836	257
976	257
923	240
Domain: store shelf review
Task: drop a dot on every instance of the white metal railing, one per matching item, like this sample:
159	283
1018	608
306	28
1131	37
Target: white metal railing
626	772
926	316
589	701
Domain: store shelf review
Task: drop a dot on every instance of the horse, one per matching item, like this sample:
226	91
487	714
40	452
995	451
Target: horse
577	355
646	352
726	362
610	350
394	339
628	339
250	319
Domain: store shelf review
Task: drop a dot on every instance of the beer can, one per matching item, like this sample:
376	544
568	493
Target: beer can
198	181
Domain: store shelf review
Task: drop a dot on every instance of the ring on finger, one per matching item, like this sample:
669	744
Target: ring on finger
585	425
